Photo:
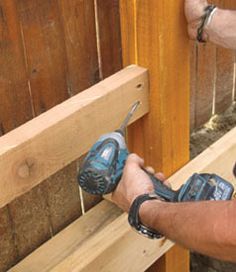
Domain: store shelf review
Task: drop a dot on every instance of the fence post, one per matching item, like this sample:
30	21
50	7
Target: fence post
154	35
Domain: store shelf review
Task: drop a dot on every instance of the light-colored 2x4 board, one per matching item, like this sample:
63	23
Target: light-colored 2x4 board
44	145
103	241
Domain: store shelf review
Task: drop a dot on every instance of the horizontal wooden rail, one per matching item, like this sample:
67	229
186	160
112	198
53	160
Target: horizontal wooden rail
44	145
103	241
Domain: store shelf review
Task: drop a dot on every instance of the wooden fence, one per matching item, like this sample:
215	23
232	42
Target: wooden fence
213	73
51	50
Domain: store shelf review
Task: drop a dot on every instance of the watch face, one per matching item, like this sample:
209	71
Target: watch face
142	230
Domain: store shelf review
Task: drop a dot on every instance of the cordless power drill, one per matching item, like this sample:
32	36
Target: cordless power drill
102	169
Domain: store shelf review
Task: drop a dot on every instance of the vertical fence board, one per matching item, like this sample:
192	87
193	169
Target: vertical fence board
232	5
224	79
157	27
109	36
78	18
62	197
57	201
215	75
45	52
78	22
206	68
8	251
225	70
45	63
15	106
128	31
31	224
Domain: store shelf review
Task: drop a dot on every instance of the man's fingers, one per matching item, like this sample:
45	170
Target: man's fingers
161	177
150	170
135	159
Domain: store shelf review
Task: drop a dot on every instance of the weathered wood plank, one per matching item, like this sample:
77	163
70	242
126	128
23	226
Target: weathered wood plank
109	51
109	36
61	194
15	107
78	20
44	52
45	58
74	236
206	72
224	69
8	251
89	245
30	221
41	147
15	103
224	79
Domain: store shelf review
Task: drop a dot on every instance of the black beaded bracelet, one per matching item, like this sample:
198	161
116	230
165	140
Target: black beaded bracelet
205	18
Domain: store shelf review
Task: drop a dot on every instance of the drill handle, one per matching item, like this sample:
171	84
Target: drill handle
162	190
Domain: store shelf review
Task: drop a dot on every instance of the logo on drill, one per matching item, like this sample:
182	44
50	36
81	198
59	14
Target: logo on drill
106	153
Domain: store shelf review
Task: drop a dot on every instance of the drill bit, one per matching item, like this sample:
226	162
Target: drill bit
128	117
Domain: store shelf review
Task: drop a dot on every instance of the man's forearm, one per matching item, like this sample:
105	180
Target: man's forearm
222	28
199	226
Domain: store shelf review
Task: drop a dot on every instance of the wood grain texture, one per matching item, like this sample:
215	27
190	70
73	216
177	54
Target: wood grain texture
224	79
61	193
15	108
88	245
193	82
161	46
15	104
206	73
109	36
45	59
167	99
44	52
128	31
224	69
73	237
78	20
175	259
109	47
24	213
8	251
46	144
232	5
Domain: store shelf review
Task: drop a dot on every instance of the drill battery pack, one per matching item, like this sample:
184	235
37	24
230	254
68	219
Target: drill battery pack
205	187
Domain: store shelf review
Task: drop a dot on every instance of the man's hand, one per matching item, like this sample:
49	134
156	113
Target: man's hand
134	182
194	9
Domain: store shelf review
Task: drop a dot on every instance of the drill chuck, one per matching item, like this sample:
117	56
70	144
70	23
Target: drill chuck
102	168
95	182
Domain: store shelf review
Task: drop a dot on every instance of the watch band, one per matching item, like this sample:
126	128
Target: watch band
134	219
